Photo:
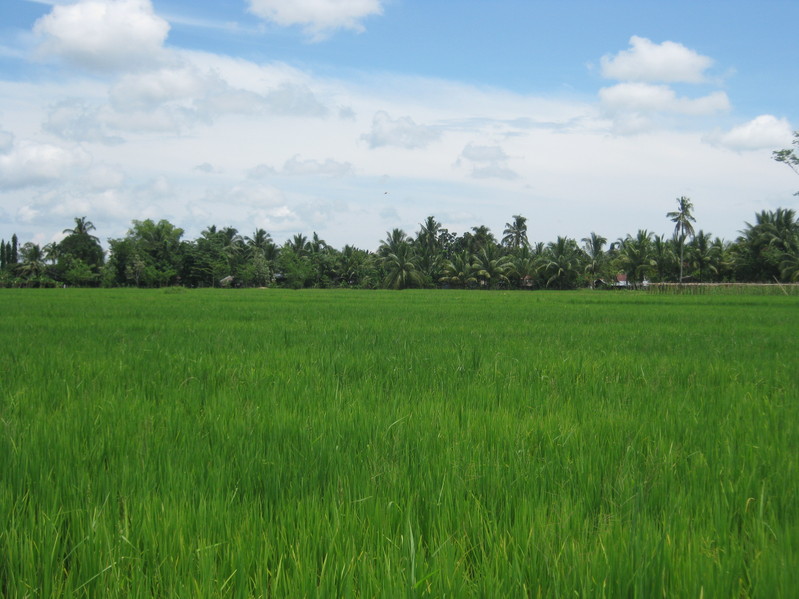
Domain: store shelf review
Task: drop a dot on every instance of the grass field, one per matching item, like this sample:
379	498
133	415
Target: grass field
267	443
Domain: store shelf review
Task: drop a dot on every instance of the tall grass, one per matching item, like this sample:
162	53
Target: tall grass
381	444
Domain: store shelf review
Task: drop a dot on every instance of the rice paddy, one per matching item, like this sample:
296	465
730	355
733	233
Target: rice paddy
270	443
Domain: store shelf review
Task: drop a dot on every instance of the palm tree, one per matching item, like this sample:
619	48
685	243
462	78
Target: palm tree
595	254
663	257
635	255
32	265
259	241
682	218
515	233
400	268
460	270
562	263
82	227
394	239
702	255
300	244
492	268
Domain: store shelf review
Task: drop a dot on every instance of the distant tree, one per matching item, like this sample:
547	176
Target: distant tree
32	266
78	253
515	233
682	217
13	256
562	264
635	256
593	246
461	270
790	156
492	267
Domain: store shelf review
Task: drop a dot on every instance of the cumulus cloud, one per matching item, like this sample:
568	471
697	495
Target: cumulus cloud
28	164
761	133
667	62
488	162
104	35
648	98
317	17
402	132
76	120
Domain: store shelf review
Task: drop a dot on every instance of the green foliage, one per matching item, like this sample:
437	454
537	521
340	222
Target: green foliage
351	444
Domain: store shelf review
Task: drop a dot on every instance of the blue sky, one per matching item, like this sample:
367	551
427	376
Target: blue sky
352	118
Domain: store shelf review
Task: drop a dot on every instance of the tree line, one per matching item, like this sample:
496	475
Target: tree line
154	254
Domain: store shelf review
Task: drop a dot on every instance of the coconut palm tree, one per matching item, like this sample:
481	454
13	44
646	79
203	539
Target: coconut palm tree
82	227
394	239
460	270
515	233
492	267
400	268
32	265
593	246
682	218
635	256
562	263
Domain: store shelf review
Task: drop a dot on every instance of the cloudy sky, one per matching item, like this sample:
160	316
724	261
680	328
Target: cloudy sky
353	117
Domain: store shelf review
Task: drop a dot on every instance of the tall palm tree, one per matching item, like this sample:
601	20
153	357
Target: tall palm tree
682	218
394	239
593	246
515	233
82	227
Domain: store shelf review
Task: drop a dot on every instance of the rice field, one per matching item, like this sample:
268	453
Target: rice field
270	443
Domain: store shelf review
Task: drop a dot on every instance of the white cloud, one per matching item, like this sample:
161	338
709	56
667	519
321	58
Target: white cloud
645	97
317	17
761	133
668	62
104	35
330	167
29	164
402	132
488	162
76	120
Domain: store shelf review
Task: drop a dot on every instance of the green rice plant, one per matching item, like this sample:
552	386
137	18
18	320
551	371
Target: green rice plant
268	443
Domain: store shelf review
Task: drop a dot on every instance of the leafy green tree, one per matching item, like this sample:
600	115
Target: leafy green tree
515	233
150	254
492	267
595	259
702	256
461	271
429	250
764	245
400	268
32	265
635	256
77	252
664	258
562	264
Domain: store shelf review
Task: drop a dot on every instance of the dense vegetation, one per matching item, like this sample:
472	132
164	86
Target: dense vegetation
264	443
156	255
